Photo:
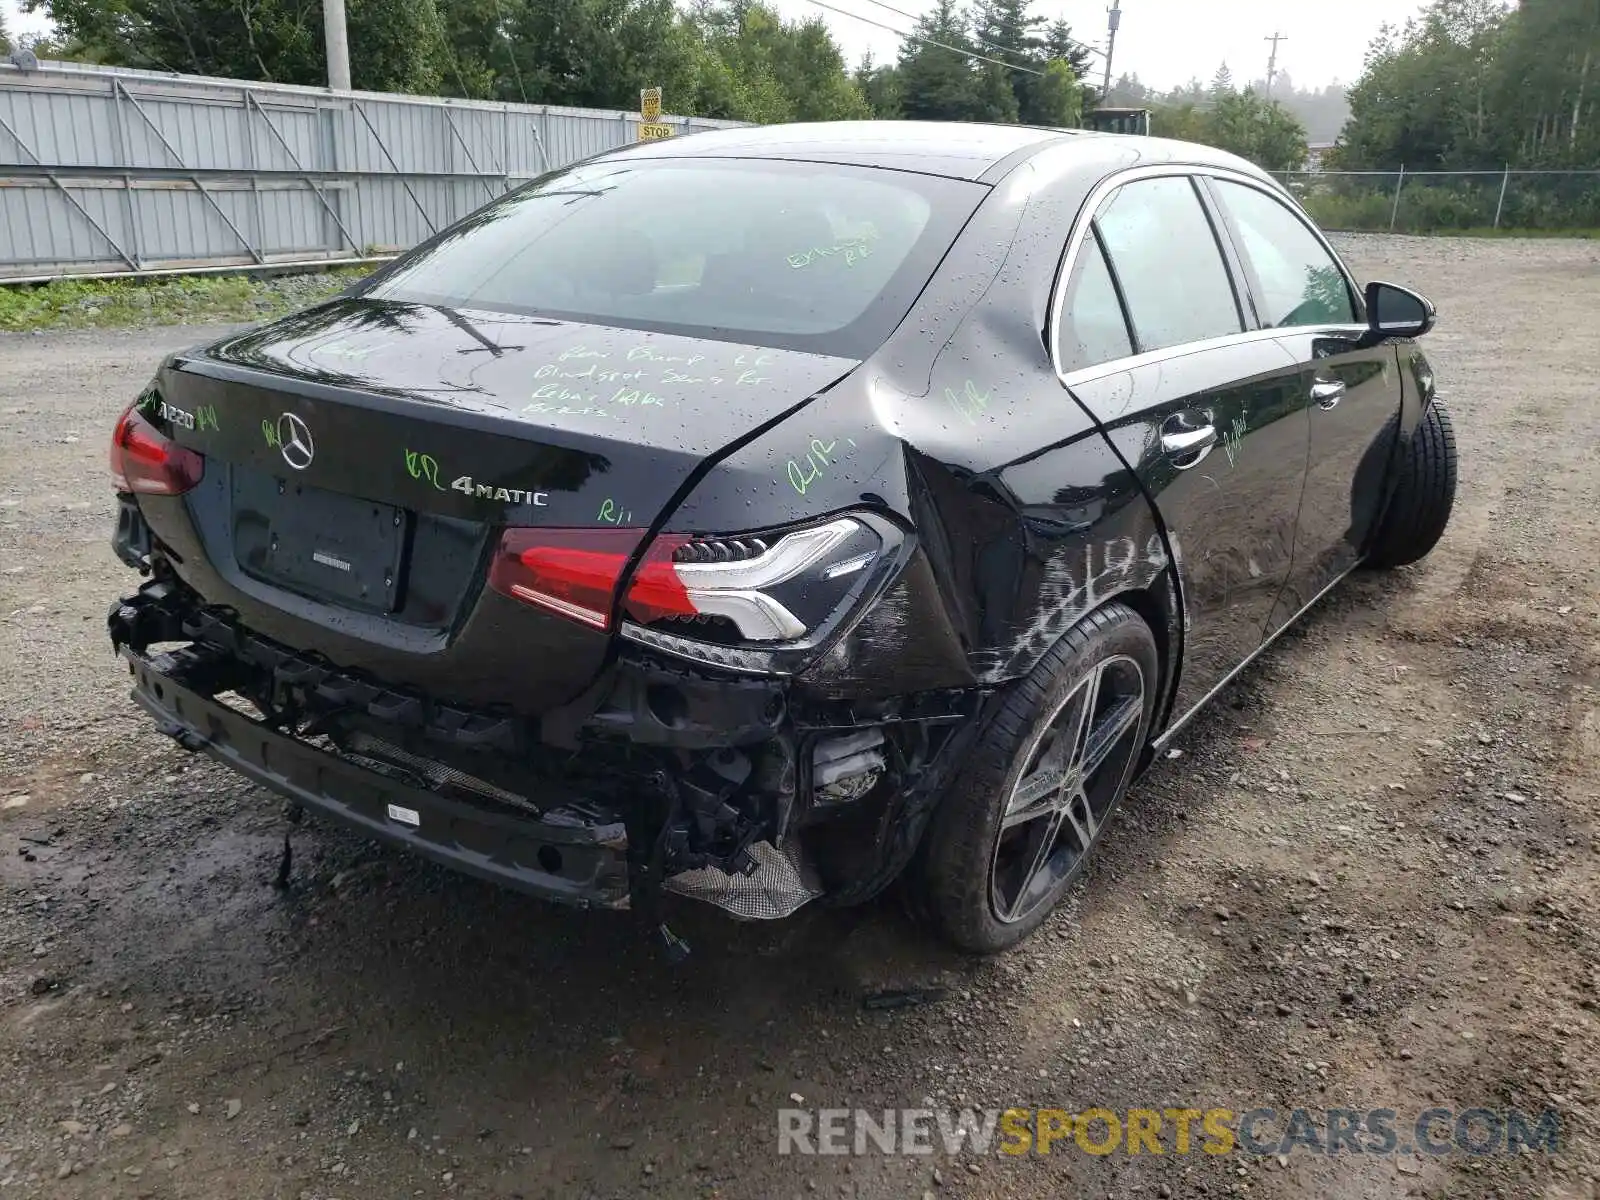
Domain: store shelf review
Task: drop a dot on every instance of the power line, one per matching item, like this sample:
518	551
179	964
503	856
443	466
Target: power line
981	41
915	37
912	17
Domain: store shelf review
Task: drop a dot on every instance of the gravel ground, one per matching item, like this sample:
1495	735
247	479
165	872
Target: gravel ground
1368	880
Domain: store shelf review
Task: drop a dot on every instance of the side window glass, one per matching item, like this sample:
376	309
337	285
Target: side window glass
1093	329
1166	257
1300	282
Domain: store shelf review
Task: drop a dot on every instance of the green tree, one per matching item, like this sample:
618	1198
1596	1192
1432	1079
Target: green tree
394	44
1243	123
1424	99
1181	119
477	57
1194	92
1004	31
768	69
568	51
811	70
996	96
1056	99
735	58
1222	82
1322	110
880	88
939	83
1476	85
1469	85
1265	132
1546	91
1130	92
1061	46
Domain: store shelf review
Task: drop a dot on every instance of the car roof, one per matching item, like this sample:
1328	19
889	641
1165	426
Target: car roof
955	149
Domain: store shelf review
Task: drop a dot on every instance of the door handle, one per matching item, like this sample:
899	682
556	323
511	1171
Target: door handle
1327	393
1184	442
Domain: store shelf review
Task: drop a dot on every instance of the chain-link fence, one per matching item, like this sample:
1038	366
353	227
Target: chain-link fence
1450	201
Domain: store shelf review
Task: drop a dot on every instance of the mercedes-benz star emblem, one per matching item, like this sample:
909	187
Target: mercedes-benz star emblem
294	442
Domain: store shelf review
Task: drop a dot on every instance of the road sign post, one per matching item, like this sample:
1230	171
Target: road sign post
651	127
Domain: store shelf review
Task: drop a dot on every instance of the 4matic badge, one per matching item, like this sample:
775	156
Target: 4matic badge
425	468
488	491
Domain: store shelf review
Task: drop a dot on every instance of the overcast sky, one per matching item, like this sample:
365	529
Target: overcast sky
1165	42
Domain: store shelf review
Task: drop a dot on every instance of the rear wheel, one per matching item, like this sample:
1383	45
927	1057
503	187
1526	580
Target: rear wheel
1424	494
1017	825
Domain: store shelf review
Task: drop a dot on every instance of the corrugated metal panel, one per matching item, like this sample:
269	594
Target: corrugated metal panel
107	167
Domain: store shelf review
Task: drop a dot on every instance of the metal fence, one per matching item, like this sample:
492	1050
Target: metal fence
1450	201
114	171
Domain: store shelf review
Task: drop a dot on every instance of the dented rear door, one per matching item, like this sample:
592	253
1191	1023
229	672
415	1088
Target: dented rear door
1208	413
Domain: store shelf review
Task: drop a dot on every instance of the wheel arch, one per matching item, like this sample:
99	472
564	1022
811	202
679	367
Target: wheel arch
1159	604
955	876
1155	605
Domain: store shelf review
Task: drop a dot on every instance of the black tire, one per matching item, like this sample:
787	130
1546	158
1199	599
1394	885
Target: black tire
1424	494
953	878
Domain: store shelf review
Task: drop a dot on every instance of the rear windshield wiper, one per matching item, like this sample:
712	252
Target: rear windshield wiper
468	327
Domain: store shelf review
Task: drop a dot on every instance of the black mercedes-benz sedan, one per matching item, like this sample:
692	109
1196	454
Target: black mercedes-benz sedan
769	515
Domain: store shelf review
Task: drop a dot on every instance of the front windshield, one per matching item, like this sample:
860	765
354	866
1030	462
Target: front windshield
797	255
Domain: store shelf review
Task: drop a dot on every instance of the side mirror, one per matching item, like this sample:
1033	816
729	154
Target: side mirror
1397	312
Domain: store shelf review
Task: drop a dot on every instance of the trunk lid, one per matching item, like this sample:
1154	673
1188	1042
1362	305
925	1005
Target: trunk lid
401	401
361	458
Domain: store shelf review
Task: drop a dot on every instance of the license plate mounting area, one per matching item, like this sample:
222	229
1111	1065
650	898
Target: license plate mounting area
321	544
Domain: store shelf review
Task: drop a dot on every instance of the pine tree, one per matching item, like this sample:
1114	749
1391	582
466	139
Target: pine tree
1004	31
1129	91
880	87
1222	82
938	84
996	94
1058	97
1061	46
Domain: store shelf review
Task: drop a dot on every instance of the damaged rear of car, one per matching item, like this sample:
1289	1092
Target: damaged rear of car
560	550
769	514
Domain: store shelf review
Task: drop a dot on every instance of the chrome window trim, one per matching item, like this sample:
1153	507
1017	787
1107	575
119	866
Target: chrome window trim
1080	229
1278	193
1130	362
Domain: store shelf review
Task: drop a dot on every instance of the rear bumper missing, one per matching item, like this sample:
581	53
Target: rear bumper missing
563	856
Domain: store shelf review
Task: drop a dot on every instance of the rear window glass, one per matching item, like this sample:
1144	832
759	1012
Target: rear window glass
794	255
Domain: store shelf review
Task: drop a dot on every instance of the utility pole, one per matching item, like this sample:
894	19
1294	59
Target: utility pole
1272	60
1113	23
337	41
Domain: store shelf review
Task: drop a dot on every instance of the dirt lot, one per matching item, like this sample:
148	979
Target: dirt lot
1368	881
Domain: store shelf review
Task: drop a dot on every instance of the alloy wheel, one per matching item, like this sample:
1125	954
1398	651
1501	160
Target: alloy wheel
1076	768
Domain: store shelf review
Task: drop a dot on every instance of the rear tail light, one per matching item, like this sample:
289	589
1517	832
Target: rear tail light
145	460
765	592
575	572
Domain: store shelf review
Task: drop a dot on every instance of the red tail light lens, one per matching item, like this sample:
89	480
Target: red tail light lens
575	572
768	589
145	460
